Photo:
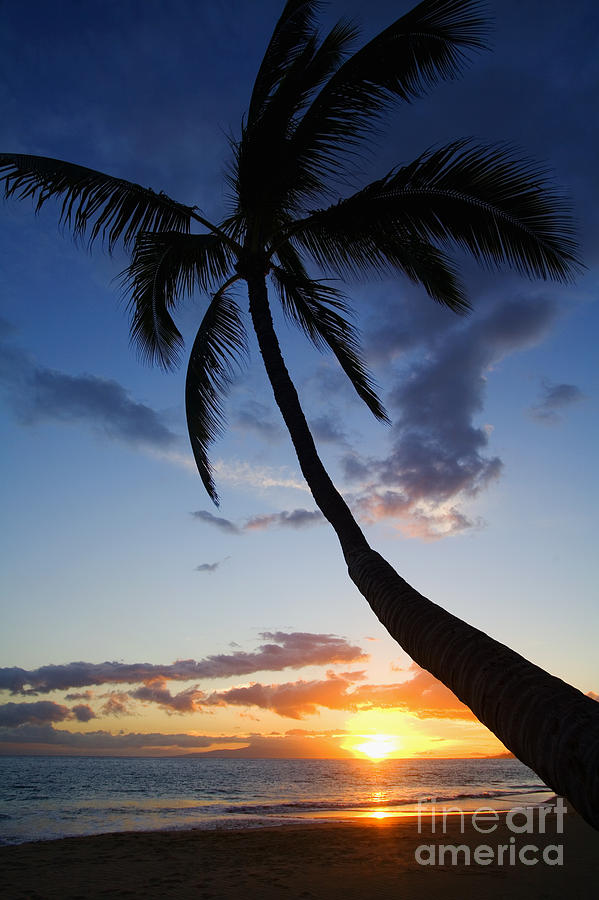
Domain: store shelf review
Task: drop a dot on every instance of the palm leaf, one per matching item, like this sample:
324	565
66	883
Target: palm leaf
499	209
219	346
322	313
265	175
431	43
165	267
101	205
424	264
361	251
291	33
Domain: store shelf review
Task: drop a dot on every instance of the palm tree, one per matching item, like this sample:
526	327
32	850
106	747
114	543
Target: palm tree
312	103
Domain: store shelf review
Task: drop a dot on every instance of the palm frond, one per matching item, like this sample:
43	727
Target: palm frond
425	264
266	176
431	43
380	249
323	315
165	267
94	203
294	28
220	345
500	209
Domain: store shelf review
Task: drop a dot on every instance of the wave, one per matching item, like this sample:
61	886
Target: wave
306	806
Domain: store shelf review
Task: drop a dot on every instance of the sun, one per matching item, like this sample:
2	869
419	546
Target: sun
377	746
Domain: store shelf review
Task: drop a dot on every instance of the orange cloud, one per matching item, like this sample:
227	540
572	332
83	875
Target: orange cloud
422	695
117	704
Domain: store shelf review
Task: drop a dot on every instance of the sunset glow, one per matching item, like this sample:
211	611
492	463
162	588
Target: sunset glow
378	746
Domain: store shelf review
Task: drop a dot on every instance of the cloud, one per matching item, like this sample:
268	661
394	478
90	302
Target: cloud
553	399
293	700
38	394
83	712
422	695
440	456
216	521
284	650
186	701
42	711
297	518
42	739
104	740
207	567
396	328
261	477
81	695
117	704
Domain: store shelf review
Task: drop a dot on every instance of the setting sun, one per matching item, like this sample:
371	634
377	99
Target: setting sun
378	746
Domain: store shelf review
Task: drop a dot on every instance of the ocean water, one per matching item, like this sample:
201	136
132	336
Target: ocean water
44	798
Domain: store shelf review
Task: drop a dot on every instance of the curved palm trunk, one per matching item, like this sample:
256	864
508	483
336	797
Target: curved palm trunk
549	725
326	495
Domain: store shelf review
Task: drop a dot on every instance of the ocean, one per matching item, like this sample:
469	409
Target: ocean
44	798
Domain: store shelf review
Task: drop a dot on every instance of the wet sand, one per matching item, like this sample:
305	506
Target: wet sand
340	861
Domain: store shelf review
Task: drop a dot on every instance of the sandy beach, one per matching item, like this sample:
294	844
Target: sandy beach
342	860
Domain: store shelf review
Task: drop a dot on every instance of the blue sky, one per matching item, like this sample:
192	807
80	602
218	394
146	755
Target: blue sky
112	549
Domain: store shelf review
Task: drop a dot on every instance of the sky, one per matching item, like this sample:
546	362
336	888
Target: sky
138	619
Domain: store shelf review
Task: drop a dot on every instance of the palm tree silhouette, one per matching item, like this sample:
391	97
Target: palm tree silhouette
312	104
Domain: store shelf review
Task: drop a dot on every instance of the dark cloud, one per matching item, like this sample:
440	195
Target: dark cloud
40	712
554	398
81	695
296	518
297	742
439	455
256	417
284	650
37	394
207	567
354	468
397	327
12	714
216	521
83	713
157	692
104	740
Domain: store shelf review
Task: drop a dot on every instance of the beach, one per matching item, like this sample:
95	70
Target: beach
352	859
